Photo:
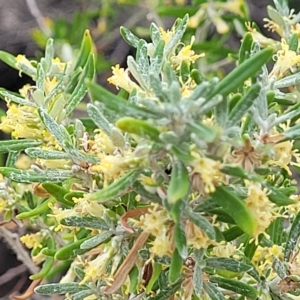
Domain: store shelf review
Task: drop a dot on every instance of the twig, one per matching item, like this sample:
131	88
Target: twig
12	273
39	18
12	239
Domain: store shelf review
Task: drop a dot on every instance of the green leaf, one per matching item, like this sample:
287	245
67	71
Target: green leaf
59	288
58	192
138	127
71	250
96	240
14	97
155	34
229	264
85	50
243	105
46	154
119	105
236	209
292	238
232	233
279	267
238	287
178	34
293	133
197	280
175	266
167	292
237	171
212	291
203	132
245	49
202	223
179	183
64	139
180	240
9	59
141	190
85	222
17	145
30	176
276	196
287	81
277	232
118	188
82	295
49	55
142	59
129	37
81	88
98	118
157	60
59	132
242	72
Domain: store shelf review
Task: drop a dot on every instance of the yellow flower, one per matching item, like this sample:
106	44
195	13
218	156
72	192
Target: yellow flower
260	207
163	243
154	221
96	269
24	64
272	26
33	240
185	54
283	155
23	162
3	205
167	35
223	250
122	80
285	60
208	169
259	38
264	256
196	236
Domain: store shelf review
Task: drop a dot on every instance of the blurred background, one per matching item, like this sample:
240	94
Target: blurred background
25	26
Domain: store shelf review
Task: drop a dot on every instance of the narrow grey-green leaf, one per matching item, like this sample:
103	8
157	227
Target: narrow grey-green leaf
96	240
243	105
60	288
292	238
17	145
85	222
229	264
287	81
202	223
46	154
236	286
98	118
212	291
82	295
178	34
155	34
14	97
81	88
120	105
279	267
197	280
59	132
129	37
29	176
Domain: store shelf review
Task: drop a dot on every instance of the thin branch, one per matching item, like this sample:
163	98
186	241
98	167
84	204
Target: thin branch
13	240
12	273
38	16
